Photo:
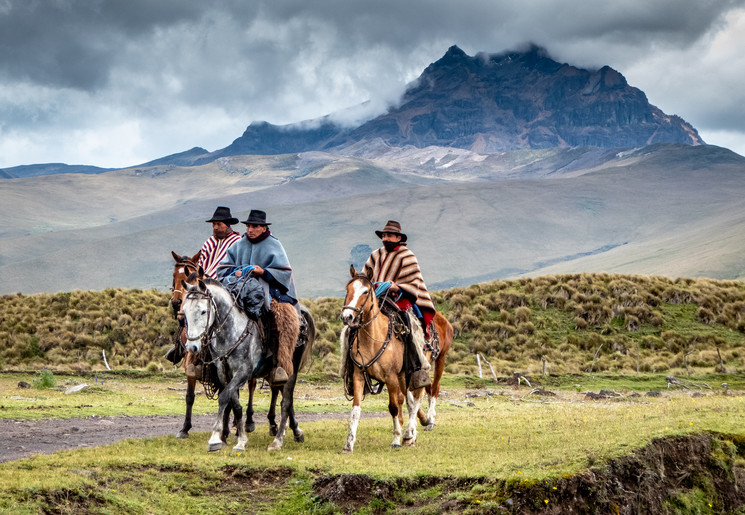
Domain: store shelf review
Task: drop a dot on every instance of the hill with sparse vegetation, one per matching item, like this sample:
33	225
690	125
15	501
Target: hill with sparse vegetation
553	325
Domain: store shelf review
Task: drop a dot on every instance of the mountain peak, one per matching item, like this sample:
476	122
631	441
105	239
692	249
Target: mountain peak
519	99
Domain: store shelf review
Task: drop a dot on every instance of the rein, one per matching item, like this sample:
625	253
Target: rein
373	389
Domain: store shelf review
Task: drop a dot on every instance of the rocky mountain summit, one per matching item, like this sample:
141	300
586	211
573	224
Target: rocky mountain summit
491	103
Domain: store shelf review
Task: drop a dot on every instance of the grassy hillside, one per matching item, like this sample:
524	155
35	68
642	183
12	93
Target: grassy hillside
561	324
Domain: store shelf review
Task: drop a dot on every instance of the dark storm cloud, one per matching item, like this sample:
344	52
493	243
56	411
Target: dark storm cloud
165	75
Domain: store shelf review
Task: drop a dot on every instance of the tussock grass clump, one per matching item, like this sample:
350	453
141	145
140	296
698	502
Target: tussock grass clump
622	323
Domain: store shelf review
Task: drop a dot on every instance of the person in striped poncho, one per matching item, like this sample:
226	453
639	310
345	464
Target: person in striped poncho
395	263
223	237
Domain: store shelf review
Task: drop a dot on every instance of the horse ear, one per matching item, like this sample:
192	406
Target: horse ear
196	257
184	285
369	273
352	271
200	272
176	257
202	286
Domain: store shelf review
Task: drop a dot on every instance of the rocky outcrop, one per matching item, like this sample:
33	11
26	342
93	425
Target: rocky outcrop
494	103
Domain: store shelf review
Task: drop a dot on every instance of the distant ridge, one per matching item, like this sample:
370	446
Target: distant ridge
492	103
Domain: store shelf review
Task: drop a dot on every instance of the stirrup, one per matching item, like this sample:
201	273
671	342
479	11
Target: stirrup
278	377
419	379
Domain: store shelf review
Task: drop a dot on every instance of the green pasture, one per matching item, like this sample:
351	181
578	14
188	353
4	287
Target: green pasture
483	430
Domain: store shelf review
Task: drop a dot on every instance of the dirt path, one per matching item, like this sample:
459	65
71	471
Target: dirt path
24	438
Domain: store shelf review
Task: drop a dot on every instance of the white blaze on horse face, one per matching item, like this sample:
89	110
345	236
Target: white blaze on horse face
196	311
358	290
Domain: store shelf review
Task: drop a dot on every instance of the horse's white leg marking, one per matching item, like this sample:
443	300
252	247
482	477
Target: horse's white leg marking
396	433
354	420
431	414
413	403
215	443
242	438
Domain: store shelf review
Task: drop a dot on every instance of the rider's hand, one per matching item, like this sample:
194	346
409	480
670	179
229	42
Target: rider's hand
238	273
394	287
257	270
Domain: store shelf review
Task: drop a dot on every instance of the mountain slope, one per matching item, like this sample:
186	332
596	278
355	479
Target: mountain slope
494	103
672	210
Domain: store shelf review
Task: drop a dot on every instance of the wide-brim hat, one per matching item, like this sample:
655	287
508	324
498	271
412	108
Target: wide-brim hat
256	217
222	214
392	227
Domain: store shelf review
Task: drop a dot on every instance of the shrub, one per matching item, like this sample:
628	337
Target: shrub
46	379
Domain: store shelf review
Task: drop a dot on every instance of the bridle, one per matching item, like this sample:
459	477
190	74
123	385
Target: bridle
374	389
187	263
359	311
210	332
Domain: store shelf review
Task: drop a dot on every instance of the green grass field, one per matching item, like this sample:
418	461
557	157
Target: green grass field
483	431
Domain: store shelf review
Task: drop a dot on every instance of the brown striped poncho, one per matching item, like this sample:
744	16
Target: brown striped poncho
401	267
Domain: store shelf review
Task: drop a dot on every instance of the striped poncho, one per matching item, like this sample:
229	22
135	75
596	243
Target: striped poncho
401	266
214	250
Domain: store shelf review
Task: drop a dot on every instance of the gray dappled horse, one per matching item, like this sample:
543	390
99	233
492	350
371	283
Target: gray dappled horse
212	318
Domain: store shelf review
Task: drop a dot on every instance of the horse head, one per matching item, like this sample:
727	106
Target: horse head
182	269
360	298
199	311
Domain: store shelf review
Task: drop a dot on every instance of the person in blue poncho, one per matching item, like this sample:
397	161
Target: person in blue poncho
261	250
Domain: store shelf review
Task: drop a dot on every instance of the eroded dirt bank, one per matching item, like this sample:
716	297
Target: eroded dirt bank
671	475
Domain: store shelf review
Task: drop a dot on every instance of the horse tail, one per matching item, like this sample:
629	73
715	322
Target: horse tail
311	333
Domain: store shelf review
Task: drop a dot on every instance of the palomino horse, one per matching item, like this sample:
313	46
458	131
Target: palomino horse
376	353
212	318
445	338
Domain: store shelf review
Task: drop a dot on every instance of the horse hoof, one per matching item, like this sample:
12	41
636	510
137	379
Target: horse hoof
214	447
182	435
409	442
346	451
250	428
299	436
395	446
272	430
429	427
274	447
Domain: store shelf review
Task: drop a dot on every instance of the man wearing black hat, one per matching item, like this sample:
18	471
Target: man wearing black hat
223	237
395	263
264	252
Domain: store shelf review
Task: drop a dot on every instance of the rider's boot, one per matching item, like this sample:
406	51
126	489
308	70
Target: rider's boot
174	354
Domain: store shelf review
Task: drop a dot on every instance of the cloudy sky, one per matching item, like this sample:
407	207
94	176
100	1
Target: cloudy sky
116	83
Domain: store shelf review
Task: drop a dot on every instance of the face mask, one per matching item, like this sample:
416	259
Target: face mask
390	246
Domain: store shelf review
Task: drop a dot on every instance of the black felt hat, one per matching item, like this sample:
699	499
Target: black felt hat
222	214
256	217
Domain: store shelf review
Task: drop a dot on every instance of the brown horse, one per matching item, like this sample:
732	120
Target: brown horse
376	353
444	331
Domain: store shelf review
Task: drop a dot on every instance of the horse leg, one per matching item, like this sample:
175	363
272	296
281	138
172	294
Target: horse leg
271	416
237	410
413	401
191	383
297	433
240	424
286	407
433	391
250	426
395	408
225	400
358	386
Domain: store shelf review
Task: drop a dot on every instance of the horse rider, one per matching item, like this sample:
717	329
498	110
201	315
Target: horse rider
223	237
395	263
262	250
213	251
